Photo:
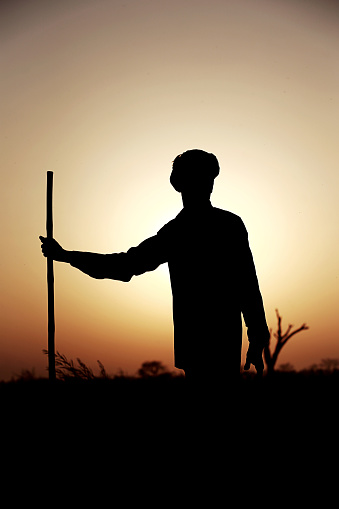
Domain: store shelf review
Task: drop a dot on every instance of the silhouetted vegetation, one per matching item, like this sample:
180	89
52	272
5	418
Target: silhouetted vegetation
69	370
271	357
157	403
151	368
65	368
153	388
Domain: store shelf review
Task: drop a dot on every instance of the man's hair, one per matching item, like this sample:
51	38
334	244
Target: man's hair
193	167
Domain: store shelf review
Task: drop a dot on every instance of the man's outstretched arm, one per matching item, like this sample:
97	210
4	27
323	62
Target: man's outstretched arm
119	266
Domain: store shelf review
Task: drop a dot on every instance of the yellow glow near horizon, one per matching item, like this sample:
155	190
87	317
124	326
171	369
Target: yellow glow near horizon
106	94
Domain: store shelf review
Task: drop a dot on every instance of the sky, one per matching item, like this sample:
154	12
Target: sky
105	94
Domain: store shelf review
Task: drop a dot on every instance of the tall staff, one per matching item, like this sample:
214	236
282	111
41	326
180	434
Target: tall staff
50	279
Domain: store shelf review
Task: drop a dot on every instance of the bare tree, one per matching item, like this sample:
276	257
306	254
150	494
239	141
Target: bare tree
271	357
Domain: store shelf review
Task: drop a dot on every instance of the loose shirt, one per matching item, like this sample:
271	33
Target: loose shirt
213	280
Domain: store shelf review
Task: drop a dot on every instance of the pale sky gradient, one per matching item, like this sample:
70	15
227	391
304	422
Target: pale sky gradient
106	94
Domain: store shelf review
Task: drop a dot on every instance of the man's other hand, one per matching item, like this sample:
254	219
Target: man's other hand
254	356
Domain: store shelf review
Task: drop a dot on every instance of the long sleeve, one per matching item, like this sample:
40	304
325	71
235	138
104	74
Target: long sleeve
251	300
121	266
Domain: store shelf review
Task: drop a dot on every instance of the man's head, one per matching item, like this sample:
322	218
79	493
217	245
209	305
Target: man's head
193	174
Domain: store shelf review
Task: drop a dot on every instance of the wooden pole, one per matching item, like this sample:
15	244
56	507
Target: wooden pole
50	279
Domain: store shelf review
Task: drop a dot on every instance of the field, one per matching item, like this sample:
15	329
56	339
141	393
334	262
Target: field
159	438
302	395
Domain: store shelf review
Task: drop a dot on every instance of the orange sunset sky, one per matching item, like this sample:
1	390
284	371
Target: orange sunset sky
105	93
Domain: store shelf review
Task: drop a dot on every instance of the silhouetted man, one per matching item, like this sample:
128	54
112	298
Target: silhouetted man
212	274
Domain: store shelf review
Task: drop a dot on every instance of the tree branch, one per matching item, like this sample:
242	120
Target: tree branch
271	357
302	327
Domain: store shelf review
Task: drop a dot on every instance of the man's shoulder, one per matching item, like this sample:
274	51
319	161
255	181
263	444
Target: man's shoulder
167	228
222	217
227	216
